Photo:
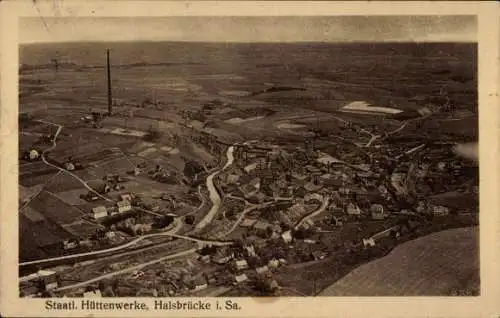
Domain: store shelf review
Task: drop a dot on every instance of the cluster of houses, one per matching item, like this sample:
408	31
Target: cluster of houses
239	265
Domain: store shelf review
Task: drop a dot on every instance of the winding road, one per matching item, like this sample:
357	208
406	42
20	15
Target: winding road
54	145
320	210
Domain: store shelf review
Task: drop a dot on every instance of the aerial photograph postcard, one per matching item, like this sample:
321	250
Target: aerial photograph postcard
235	156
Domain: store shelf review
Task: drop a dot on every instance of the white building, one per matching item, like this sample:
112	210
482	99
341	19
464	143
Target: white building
369	242
240	278
33	154
262	269
241	264
251	167
123	206
99	212
287	236
377	212
438	210
273	263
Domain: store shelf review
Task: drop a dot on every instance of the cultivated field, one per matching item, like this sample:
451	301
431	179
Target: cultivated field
434	265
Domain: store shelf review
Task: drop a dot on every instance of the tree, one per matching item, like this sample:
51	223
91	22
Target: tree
269	232
253	262
189	219
264	286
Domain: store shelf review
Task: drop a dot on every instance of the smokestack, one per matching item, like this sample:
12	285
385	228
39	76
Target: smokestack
110	102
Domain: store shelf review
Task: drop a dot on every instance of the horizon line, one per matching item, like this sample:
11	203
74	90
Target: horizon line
255	42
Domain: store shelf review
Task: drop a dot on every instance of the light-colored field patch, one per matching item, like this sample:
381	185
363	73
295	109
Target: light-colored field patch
288	125
327	159
123	132
177	87
166	148
174	151
147	152
238	120
364	107
225	110
234	93
218	77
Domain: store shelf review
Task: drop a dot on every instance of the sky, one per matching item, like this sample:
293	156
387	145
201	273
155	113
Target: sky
250	29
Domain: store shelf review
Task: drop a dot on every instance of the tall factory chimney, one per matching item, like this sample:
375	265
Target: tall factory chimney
110	99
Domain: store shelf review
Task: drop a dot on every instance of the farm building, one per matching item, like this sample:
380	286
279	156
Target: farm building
123	206
33	154
438	210
99	212
377	211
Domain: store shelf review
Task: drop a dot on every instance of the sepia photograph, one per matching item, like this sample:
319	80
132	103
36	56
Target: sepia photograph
249	159
248	156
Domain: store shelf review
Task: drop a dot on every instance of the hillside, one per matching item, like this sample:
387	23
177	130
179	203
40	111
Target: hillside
440	264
